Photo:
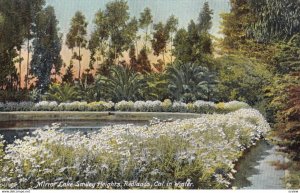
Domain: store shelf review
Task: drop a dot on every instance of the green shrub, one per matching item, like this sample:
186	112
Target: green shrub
202	107
230	106
124	106
62	93
100	106
167	105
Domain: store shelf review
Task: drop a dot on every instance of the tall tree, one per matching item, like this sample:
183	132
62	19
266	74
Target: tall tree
143	61
29	9
146	19
98	41
11	39
77	37
130	33
275	20
235	24
47	47
171	26
182	49
238	33
191	45
194	45
114	28
117	17
205	18
160	40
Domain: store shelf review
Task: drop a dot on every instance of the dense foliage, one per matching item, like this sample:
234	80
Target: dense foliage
289	125
275	20
268	32
242	79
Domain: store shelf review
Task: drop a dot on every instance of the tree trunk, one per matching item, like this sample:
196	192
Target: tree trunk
136	47
171	49
20	70
164	57
79	60
27	73
146	37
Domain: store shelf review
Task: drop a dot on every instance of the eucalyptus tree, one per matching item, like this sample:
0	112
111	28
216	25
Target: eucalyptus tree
205	18
171	25
29	9
160	39
146	19
98	40
11	39
77	37
240	34
131	33
235	24
47	47
194	45
122	29
11	27
114	28
182	48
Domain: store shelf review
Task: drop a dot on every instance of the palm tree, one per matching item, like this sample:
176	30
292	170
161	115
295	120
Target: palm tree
189	82
123	84
62	93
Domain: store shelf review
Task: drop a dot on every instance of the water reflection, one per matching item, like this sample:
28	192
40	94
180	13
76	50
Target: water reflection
20	129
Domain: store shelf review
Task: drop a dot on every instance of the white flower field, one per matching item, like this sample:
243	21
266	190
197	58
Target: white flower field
202	151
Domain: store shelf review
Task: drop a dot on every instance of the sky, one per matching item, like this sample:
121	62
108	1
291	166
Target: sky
184	10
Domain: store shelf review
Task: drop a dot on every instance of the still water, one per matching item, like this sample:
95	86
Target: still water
20	129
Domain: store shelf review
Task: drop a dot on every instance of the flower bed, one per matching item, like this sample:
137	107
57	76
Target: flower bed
200	151
140	106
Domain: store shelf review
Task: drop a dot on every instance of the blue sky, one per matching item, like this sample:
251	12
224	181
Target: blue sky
185	10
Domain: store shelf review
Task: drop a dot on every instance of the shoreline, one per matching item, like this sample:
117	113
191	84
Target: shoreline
87	115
